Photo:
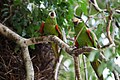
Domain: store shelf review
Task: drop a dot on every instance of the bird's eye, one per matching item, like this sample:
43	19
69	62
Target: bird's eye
52	14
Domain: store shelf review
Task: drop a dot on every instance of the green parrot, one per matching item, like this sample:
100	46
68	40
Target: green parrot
50	27
85	37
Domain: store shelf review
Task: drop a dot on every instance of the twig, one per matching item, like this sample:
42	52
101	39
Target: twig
111	38
109	35
70	39
94	3
4	64
2	77
8	72
85	67
116	75
8	16
117	11
77	68
57	67
108	27
117	41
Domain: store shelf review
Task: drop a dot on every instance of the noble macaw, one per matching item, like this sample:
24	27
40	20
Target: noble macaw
85	37
50	27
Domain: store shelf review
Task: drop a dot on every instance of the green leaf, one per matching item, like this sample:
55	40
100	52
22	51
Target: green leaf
6	5
32	46
4	9
23	32
92	55
118	49
16	2
102	67
82	8
116	67
108	53
110	64
5	14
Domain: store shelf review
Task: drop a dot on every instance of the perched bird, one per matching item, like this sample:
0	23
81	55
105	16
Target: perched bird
85	37
50	27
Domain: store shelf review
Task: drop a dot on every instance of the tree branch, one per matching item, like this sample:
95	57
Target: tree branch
94	3
117	11
36	40
21	41
108	28
57	67
83	50
85	67
77	68
28	63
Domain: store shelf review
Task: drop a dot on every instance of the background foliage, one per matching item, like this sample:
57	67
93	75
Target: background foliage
25	17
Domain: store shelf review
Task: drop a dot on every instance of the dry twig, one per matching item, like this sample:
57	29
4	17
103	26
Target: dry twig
9	15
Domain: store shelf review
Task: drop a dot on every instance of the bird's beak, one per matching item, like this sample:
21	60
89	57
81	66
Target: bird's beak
76	20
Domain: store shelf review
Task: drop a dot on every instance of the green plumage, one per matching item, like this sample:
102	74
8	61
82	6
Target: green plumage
85	37
50	27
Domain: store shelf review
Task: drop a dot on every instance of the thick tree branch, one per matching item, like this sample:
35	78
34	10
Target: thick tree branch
62	44
10	34
36	40
28	63
21	41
